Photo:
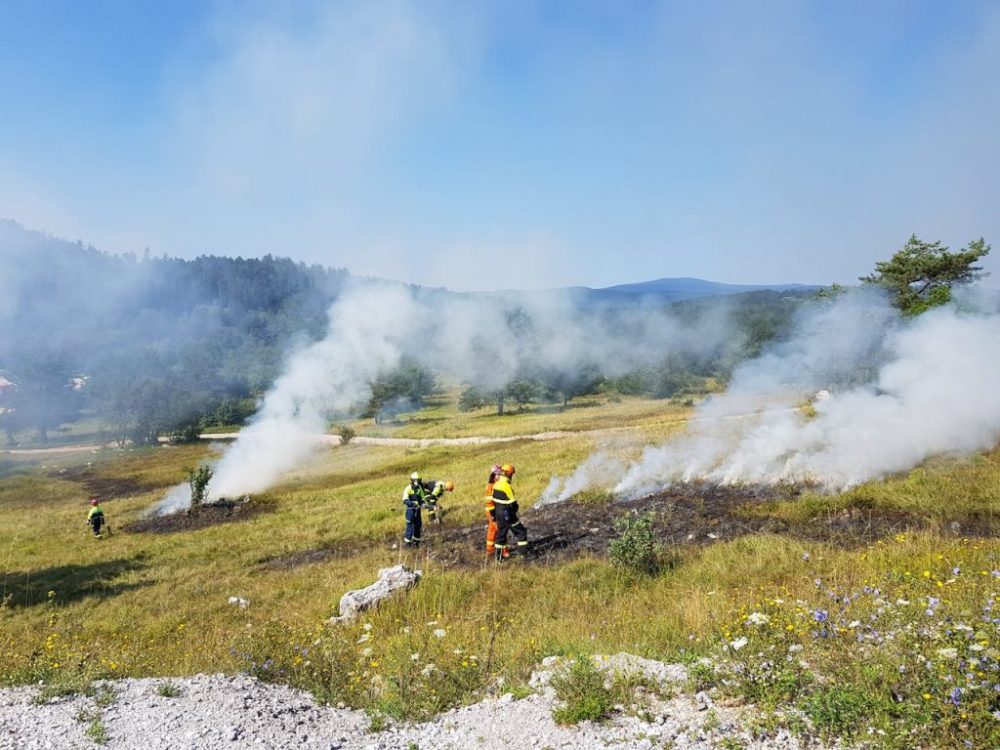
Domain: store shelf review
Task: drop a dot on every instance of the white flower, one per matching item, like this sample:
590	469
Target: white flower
415	657
440	633
976	647
428	670
432	622
795	648
948	653
738	644
364	637
853	623
367	626
367	651
758	618
902	602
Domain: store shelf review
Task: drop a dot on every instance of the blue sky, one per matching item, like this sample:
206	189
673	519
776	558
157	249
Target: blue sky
474	145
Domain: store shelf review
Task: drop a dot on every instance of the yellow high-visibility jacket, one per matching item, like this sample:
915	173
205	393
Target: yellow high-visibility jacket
503	492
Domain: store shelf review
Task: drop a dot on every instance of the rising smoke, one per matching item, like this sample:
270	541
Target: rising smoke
482	340
902	391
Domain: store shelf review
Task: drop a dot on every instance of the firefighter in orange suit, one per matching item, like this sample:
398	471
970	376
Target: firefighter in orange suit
491	514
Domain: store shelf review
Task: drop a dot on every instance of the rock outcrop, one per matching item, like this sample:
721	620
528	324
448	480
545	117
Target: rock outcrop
390	580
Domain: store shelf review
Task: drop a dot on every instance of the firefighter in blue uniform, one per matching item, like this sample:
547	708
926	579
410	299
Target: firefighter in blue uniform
413	500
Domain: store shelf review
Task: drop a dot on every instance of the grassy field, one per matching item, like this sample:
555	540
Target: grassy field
441	418
866	641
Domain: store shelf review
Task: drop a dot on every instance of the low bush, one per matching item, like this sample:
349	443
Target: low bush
583	693
636	549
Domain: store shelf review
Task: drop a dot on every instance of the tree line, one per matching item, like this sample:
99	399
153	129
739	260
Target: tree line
190	344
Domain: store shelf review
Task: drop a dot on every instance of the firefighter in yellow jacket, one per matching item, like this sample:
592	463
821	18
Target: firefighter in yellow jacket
506	514
95	517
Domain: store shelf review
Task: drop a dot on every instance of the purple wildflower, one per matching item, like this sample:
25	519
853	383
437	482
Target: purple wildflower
956	696
821	615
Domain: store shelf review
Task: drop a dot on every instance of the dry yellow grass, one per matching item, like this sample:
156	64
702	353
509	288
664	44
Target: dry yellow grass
144	604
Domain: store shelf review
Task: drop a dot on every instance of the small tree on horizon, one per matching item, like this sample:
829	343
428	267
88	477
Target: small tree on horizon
922	274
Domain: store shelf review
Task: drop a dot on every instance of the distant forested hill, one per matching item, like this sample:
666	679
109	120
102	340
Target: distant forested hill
150	345
183	335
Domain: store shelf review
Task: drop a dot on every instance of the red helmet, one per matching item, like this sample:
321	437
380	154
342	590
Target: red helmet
507	469
93	501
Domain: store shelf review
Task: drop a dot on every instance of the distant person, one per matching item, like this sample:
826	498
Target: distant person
413	499
491	514
506	512
433	492
95	518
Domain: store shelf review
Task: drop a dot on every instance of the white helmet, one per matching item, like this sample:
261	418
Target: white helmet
415	476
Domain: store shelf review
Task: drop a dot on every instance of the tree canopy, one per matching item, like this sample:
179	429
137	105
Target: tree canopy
922	274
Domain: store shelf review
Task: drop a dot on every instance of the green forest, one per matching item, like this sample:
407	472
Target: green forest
146	346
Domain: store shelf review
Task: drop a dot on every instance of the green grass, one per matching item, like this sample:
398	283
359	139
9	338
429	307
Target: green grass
582	692
168	690
598	412
148	605
97	732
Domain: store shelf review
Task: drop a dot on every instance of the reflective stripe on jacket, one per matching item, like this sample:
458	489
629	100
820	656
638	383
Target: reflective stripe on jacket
503	493
413	497
488	497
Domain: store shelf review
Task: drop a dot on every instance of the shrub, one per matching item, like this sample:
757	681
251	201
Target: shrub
346	433
471	399
189	433
636	548
583	693
199	479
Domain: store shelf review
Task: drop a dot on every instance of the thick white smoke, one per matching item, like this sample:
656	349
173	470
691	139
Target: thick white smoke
481	340
368	326
934	394
592	472
902	391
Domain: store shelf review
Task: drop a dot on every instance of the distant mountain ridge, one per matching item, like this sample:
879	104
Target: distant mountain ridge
656	292
16	240
691	287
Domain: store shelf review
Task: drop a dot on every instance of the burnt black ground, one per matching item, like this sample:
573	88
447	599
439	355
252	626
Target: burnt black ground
684	516
210	514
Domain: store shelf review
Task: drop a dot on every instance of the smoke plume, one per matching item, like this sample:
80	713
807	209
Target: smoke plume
327	378
483	340
900	391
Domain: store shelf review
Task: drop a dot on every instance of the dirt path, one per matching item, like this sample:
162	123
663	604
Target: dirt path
83	448
415	442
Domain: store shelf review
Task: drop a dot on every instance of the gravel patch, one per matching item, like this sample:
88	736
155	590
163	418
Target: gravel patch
236	712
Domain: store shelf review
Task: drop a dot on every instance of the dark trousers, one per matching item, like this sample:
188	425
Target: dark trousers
95	524
507	521
414	522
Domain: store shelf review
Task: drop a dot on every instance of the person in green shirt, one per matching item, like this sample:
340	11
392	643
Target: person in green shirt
95	518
